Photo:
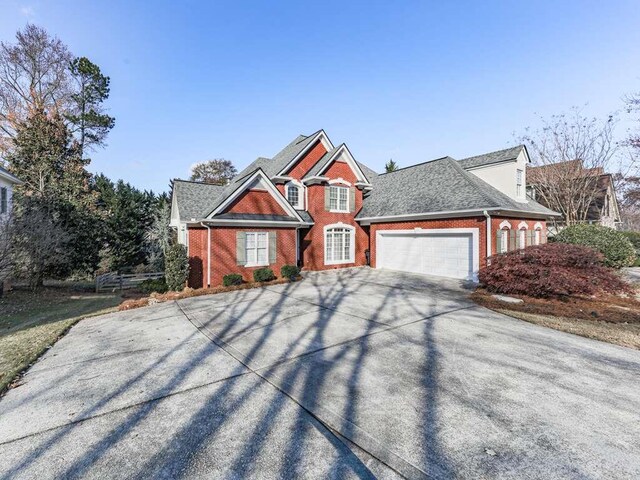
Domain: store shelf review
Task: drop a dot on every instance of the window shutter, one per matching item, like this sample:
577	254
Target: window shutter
352	199
512	240
499	241
241	248
327	202
272	247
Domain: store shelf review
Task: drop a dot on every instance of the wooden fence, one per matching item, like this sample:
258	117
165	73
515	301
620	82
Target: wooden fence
118	281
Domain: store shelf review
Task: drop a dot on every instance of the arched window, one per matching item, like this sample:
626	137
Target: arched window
503	237
537	237
339	244
522	234
294	195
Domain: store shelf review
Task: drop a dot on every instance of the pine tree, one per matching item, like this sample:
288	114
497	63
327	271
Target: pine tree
391	166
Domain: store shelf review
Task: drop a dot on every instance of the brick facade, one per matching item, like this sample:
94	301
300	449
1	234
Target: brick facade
309	160
256	201
311	242
469	222
515	224
224	259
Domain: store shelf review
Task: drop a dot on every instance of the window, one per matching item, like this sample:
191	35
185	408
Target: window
3	200
293	195
339	246
338	199
257	244
504	241
519	175
538	236
522	238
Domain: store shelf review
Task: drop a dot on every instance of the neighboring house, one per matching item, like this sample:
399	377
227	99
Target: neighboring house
7	181
314	205
603	208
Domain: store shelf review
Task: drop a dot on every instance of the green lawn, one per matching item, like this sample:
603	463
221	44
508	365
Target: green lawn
31	322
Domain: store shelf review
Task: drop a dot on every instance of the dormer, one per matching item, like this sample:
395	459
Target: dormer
504	170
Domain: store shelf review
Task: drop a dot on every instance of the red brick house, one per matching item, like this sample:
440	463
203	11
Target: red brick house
314	205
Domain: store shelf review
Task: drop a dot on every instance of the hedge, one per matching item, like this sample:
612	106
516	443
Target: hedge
634	238
176	267
551	270
614	245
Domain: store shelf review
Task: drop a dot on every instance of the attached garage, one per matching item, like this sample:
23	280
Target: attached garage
449	253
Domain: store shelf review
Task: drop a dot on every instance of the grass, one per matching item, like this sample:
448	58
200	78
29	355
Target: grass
612	319
31	322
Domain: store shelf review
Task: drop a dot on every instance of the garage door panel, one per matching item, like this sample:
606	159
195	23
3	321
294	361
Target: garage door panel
441	254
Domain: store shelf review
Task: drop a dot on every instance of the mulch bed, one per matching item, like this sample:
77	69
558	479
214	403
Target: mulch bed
191	292
610	308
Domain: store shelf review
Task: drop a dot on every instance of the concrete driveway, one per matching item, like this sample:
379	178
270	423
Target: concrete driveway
347	374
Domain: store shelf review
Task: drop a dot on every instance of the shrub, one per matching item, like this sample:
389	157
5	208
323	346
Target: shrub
263	275
551	270
232	279
634	238
176	267
290	271
154	285
614	245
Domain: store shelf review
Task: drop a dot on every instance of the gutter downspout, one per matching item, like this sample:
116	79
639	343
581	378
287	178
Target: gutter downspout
208	253
486	214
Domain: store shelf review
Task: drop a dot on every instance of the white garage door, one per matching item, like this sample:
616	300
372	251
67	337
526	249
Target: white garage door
446	254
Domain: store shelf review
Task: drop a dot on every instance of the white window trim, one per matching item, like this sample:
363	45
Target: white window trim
537	236
338	181
522	238
339	210
519	182
301	193
504	239
246	250
352	244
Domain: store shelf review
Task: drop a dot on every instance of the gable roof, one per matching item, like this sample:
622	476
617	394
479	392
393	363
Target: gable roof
440	185
9	176
281	160
313	171
234	189
194	198
491	157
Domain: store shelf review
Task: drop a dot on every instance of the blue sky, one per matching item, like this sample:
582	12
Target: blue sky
410	81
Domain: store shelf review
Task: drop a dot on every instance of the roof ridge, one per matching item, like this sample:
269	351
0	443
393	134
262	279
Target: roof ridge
493	151
197	182
416	165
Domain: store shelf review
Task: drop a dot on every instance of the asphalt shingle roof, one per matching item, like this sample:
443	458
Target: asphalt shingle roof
492	157
438	186
195	199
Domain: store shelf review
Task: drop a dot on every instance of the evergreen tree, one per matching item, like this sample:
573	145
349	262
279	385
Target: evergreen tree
391	166
129	214
56	183
87	116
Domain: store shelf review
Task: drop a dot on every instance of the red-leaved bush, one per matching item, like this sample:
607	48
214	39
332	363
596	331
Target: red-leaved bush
551	270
